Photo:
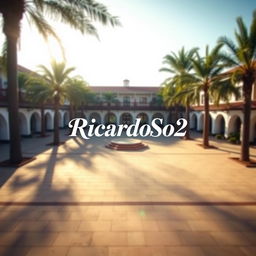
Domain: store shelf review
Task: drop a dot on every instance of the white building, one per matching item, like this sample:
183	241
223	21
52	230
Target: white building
131	102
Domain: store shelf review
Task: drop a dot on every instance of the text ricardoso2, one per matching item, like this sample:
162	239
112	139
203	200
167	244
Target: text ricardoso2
80	126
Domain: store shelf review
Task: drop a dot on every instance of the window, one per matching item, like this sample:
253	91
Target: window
143	100
126	101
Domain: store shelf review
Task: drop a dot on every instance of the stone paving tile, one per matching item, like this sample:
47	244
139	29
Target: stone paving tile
19	214
58	226
136	238
27	238
7	225
172	225
109	239
54	215
82	216
248	250
162	238
184	251
95	226
195	238
14	251
112	215
149	225
36	226
131	225
251	236
217	225
231	238
137	251
88	251
222	251
47	251
73	239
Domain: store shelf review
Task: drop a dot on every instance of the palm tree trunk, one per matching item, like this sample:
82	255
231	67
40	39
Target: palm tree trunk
75	111
245	148
175	113
12	14
56	135
82	111
206	118
42	122
187	136
71	111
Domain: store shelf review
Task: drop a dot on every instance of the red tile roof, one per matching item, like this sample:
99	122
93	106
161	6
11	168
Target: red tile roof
123	89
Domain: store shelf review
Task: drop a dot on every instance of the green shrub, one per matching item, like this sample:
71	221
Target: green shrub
219	137
233	140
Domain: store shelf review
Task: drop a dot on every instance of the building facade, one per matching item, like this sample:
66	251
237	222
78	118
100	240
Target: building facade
129	103
226	118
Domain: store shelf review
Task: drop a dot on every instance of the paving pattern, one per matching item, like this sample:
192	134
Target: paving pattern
174	198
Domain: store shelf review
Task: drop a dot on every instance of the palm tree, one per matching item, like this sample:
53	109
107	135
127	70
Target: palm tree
76	91
56	77
187	94
39	93
179	65
76	13
167	93
242	56
206	74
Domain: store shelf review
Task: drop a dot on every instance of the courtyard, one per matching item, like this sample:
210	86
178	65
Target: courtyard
174	198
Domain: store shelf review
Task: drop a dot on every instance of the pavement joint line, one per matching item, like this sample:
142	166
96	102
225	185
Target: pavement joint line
129	203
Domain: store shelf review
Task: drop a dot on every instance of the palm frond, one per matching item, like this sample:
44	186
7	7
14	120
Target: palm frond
95	11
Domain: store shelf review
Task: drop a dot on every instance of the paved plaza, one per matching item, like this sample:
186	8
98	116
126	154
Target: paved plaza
174	198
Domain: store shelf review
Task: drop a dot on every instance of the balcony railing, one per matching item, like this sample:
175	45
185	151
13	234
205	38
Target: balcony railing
123	106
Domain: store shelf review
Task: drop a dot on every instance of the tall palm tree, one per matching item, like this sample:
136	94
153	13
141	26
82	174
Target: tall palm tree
76	13
206	74
76	90
56	77
167	93
179	65
187	94
39	93
242	56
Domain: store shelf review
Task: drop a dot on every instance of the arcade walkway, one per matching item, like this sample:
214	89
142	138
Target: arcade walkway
82	199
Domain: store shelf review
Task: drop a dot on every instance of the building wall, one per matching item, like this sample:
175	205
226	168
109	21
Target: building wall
224	122
30	121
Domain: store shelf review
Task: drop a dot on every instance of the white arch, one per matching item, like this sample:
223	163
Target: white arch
232	124
126	118
194	121
48	120
96	116
66	118
24	123
253	129
158	115
4	132
219	124
201	122
113	117
144	116
61	121
35	122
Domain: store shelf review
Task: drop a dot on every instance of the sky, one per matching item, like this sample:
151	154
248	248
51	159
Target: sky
150	30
